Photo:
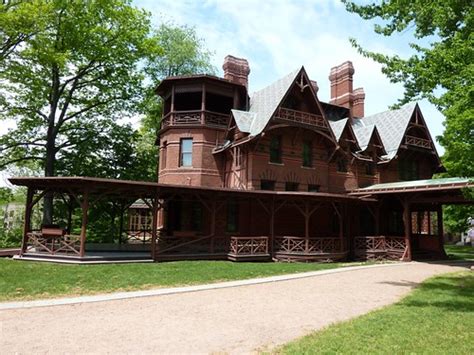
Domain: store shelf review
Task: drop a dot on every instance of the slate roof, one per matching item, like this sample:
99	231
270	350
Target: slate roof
391	126
263	104
338	127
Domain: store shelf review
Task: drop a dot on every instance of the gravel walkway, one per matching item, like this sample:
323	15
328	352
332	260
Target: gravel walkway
231	320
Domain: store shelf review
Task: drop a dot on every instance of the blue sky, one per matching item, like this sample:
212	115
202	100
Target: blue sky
278	36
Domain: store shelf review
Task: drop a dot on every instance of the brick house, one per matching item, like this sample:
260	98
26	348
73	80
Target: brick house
281	175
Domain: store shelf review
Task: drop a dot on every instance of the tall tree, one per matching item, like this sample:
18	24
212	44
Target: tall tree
65	78
183	53
441	70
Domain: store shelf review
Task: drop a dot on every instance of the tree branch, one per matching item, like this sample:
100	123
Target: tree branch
5	164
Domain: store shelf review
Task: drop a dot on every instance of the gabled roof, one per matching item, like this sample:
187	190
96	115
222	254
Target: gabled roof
391	126
263	104
338	127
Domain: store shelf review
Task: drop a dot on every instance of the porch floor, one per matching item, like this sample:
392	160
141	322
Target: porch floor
91	257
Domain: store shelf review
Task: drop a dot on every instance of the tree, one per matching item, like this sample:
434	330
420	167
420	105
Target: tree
65	78
19	21
183	53
441	70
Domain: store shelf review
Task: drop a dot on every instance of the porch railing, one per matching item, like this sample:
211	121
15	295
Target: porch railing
142	236
195	117
248	246
291	244
53	245
170	245
379	247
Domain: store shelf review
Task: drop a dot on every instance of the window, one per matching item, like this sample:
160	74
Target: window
369	169
291	186
163	156
408	170
307	154
342	165
238	157
232	217
275	149
313	188
267	185
186	152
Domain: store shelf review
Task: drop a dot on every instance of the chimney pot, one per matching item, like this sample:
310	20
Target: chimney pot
236	70
342	92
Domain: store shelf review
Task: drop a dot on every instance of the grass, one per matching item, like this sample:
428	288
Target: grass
457	252
436	318
23	280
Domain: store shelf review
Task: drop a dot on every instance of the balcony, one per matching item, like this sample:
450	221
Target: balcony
304	118
195	118
418	142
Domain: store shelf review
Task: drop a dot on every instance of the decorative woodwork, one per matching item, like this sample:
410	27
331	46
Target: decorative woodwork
248	246
418	142
53	244
195	117
380	247
301	117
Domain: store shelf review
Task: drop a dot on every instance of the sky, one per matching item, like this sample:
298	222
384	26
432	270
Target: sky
279	36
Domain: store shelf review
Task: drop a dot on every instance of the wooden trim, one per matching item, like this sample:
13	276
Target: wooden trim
85	212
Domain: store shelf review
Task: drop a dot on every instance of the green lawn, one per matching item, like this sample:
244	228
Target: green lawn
436	318
33	280
456	252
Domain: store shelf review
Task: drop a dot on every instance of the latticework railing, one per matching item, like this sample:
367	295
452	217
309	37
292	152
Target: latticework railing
291	244
253	246
301	117
418	142
195	117
379	247
171	245
142	236
65	244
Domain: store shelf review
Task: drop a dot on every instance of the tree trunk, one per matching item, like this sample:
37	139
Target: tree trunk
49	171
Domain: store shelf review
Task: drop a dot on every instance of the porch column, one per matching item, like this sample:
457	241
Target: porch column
213	224
154	227
272	226
306	226
27	225
407	229
85	215
203	104
439	211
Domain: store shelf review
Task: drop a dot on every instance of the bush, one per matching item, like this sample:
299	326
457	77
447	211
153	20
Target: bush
10	238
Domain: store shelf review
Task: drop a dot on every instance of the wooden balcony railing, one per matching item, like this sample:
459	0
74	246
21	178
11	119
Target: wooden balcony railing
253	246
290	244
195	117
380	247
142	236
53	245
418	142
301	117
172	245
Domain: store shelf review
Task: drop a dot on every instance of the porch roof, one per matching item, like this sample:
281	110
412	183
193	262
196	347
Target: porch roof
416	185
123	189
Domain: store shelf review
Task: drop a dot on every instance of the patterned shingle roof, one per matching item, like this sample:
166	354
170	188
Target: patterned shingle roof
338	127
391	126
263	104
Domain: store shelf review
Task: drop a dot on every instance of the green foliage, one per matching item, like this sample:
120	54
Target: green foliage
10	238
32	280
6	195
436	318
441	70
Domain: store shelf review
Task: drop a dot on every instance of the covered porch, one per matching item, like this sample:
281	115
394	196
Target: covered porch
185	223
407	219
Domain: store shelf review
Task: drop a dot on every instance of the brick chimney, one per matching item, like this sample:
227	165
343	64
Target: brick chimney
342	93
236	70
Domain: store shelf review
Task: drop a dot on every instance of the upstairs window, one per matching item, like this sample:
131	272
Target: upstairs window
267	185
275	149
307	154
186	152
342	165
291	186
313	188
369	169
408	170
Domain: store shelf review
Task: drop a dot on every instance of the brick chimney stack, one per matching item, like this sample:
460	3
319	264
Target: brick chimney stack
342	92
236	70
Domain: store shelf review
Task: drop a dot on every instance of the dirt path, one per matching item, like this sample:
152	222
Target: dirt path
232	320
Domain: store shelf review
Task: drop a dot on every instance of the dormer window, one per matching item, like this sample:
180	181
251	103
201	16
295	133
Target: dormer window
275	149
369	169
186	152
342	165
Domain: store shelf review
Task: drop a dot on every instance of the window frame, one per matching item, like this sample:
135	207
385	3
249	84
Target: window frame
269	182
307	154
182	153
291	186
276	149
